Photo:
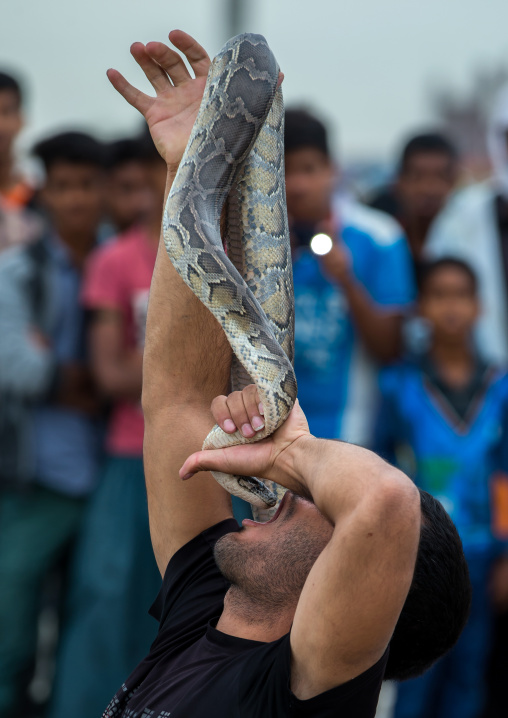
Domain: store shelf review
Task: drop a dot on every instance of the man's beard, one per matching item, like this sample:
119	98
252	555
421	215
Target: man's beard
270	575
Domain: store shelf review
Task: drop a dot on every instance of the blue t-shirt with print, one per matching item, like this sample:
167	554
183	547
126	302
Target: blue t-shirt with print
336	380
455	459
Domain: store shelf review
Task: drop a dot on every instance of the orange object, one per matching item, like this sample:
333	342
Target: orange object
18	196
500	505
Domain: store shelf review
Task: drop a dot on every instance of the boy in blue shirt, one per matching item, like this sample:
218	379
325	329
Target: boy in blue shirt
350	302
444	417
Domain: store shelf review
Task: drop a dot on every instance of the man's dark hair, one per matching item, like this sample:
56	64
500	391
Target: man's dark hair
429	143
303	130
426	270
129	149
438	602
8	83
72	147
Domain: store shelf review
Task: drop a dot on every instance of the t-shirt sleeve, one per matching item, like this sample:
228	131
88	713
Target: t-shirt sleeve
104	280
354	699
392	282
193	588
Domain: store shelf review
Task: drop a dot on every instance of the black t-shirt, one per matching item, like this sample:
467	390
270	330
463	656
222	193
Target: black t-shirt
195	671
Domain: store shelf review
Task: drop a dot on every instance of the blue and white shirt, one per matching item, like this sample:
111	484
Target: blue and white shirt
455	459
337	381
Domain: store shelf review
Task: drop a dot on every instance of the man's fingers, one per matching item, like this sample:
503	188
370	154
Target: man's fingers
240	410
170	61
195	54
153	71
251	403
239	414
231	460
211	460
222	415
134	97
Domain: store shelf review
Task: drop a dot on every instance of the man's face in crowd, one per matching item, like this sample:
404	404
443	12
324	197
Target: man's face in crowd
128	196
74	197
11	121
448	301
425	183
310	179
270	562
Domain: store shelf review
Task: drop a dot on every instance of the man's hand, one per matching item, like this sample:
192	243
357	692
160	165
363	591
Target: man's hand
171	114
270	458
337	263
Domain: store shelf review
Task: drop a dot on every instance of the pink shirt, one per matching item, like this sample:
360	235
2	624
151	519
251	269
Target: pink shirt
118	276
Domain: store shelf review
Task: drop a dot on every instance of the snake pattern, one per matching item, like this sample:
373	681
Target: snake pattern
234	161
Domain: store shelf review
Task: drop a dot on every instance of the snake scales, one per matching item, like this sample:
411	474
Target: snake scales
235	158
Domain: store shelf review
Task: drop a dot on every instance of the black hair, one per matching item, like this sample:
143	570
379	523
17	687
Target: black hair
429	143
72	147
129	149
427	269
439	599
303	130
8	83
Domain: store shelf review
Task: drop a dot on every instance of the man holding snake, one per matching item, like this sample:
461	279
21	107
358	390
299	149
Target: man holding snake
359	576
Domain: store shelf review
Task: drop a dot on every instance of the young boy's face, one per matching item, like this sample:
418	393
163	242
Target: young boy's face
449	302
11	121
74	197
310	179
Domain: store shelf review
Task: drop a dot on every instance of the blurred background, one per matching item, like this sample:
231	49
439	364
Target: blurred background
397	152
376	71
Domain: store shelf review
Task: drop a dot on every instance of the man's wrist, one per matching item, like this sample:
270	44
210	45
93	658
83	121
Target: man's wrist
293	464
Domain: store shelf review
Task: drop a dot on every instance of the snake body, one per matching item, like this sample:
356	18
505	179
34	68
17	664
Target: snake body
235	159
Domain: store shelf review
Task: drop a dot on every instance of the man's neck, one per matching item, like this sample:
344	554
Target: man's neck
416	229
454	361
79	245
245	618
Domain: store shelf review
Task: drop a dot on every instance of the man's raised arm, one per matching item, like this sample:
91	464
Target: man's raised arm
187	357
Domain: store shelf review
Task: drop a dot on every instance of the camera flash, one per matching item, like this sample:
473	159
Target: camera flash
321	244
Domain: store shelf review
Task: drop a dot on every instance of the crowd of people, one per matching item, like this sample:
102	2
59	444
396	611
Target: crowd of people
401	344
